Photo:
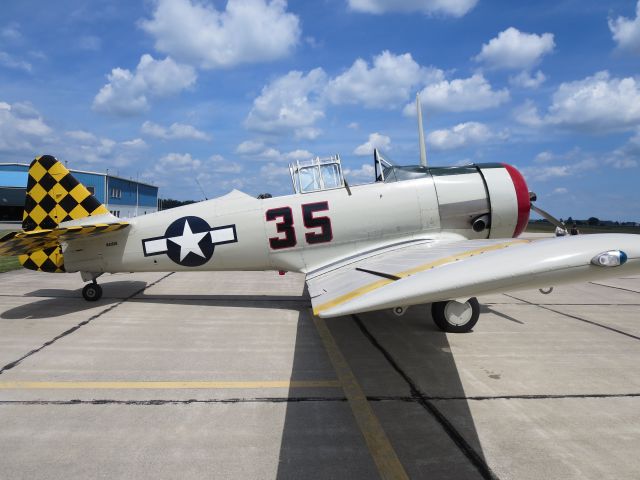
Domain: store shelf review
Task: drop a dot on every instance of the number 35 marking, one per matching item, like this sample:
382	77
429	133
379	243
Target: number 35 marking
310	222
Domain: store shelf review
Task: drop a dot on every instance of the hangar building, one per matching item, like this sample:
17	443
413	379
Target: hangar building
123	197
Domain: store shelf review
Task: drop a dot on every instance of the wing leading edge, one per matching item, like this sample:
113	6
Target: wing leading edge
442	271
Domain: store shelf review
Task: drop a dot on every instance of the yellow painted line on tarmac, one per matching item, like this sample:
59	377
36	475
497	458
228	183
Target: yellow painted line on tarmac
169	385
380	448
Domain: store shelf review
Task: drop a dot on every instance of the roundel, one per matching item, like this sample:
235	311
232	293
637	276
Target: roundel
189	241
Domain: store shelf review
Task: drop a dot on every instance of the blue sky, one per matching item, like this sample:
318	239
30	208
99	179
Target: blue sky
230	92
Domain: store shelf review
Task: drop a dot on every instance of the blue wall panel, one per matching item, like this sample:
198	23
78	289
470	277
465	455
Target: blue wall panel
14	168
128	190
92	180
13	179
148	196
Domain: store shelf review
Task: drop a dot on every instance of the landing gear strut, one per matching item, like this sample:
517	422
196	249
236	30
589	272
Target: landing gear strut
92	292
456	317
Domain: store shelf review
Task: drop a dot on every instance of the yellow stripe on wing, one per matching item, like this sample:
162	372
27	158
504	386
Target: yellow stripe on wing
358	292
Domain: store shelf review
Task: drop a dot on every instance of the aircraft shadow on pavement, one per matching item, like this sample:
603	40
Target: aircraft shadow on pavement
320	436
58	302
488	309
253	300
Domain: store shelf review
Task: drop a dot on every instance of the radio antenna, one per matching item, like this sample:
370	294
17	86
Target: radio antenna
423	148
201	189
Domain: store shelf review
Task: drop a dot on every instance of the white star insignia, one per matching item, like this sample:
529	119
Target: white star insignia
188	241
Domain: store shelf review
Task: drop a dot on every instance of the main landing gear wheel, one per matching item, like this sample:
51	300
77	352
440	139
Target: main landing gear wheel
456	317
92	292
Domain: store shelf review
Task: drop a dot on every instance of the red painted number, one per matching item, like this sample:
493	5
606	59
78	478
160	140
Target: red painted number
324	223
285	226
311	222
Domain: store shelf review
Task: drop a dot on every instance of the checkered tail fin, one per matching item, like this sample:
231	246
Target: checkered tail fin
55	196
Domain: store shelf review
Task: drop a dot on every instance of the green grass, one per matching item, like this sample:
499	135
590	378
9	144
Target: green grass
8	263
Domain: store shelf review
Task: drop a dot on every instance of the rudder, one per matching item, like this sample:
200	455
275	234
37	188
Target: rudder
55	196
48	260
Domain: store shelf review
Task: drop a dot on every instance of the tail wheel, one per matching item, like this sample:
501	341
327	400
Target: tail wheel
92	292
456	317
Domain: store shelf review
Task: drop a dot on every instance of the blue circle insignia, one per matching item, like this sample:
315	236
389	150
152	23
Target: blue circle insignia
189	241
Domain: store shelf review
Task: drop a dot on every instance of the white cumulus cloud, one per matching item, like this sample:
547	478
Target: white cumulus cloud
454	8
364	174
218	164
527	80
513	49
247	31
81	136
376	140
544	157
9	61
250	147
177	162
128	93
628	155
598	103
626	31
461	135
260	151
11	32
173	131
299	154
22	128
575	162
460	95
292	102
388	82
307	133
134	143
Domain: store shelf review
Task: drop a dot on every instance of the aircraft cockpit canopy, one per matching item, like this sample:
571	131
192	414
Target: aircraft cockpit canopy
386	171
317	174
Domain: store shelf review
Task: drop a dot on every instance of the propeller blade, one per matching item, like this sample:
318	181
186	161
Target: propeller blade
547	216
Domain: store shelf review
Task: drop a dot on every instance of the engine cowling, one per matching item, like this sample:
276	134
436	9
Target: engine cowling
508	198
482	201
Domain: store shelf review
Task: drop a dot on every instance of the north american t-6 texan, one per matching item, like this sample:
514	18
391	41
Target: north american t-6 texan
415	235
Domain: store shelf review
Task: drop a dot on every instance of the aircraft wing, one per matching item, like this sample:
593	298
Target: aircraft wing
445	270
21	243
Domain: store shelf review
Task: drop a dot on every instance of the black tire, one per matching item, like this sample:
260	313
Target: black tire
92	292
439	313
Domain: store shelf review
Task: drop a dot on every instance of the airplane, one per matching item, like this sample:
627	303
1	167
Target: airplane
416	235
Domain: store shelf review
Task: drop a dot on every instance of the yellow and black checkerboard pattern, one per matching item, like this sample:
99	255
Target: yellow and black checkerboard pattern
40	249
19	243
48	260
55	196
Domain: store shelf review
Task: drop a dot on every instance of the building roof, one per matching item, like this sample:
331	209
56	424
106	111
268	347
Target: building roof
72	170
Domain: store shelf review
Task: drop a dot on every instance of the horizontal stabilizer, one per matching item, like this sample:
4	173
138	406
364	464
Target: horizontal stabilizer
23	243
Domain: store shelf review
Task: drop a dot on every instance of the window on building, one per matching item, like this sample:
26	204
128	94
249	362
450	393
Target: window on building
92	190
116	193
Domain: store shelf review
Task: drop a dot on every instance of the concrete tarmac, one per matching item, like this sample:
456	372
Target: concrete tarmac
229	376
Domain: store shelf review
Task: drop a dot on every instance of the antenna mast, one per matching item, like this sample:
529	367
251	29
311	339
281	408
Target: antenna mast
201	189
423	148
